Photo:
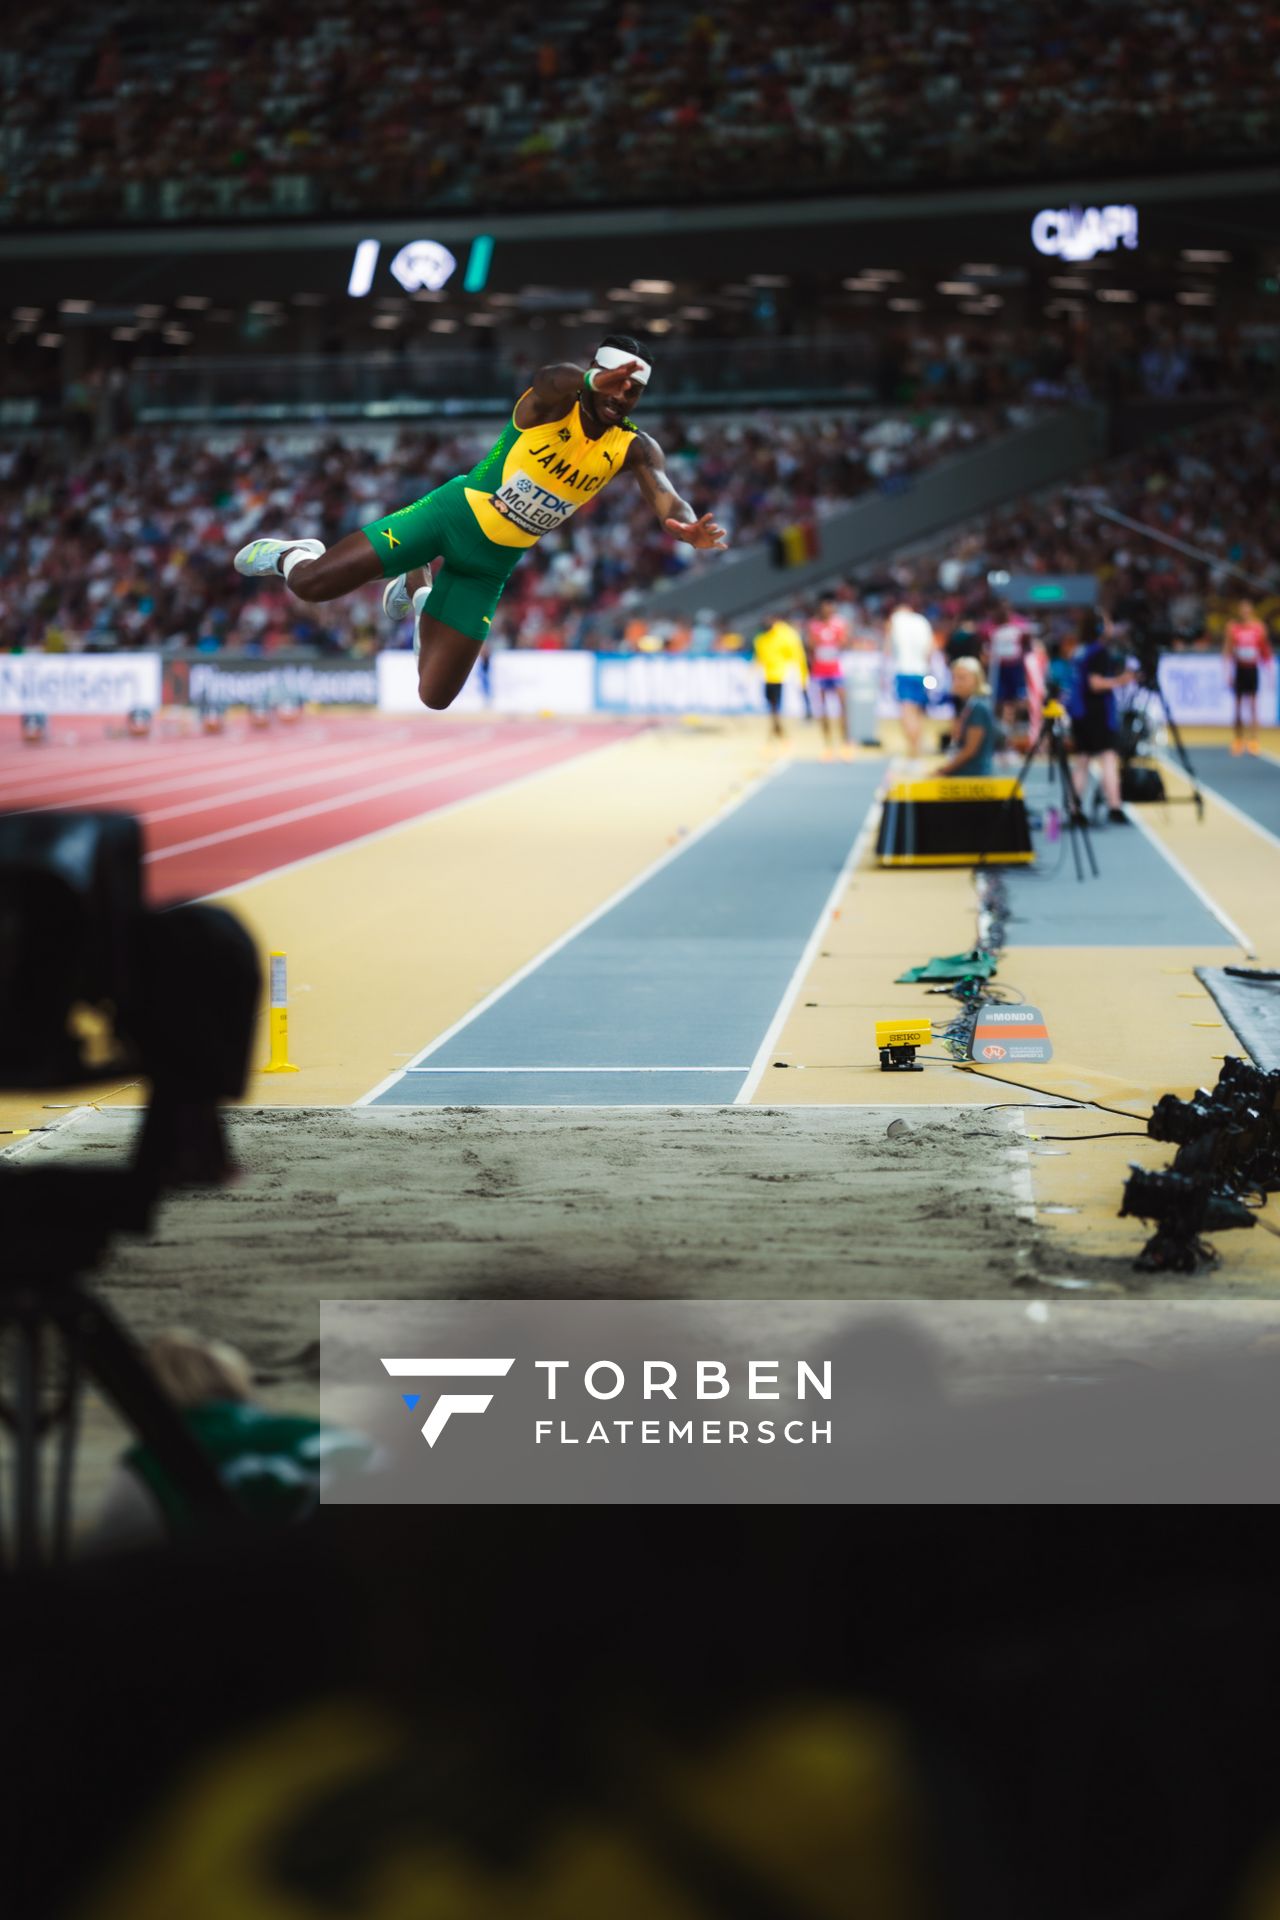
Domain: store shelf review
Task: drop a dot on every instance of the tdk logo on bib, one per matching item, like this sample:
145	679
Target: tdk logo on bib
532	508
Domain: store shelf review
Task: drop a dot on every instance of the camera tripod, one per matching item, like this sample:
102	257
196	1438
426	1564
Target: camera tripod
57	1223
1149	684
1073	811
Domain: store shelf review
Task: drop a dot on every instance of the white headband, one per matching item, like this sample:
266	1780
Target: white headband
611	357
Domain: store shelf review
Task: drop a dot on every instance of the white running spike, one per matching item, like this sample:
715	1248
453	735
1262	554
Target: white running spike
260	556
397	603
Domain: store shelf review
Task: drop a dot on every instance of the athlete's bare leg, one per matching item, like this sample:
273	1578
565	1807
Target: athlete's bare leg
445	656
351	564
842	723
445	659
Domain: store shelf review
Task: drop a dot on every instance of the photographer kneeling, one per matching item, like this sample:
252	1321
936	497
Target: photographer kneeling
973	737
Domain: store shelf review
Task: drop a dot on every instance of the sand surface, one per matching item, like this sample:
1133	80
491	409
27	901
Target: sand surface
737	1202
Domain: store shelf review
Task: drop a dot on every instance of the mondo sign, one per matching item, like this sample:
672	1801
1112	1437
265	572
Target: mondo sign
1079	233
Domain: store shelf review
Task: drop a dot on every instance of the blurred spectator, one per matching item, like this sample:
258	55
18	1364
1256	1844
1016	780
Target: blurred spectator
910	645
1246	647
780	656
131	545
1103	671
388	108
1214	488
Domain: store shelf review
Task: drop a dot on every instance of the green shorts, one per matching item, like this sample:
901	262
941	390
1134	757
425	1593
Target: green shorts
468	587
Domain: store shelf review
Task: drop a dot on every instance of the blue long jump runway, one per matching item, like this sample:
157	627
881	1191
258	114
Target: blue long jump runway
1137	899
666	997
1251	786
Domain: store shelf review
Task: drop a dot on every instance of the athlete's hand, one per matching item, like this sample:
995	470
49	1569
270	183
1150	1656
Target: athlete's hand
702	533
612	380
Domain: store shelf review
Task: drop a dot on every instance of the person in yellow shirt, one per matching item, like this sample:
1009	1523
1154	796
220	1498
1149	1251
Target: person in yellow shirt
780	656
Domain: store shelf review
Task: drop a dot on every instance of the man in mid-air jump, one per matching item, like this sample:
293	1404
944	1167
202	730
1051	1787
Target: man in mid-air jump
567	438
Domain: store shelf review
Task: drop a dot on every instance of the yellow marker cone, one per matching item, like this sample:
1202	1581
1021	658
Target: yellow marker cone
278	1018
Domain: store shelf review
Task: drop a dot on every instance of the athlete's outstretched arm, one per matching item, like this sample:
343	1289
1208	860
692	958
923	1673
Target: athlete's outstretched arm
645	460
554	389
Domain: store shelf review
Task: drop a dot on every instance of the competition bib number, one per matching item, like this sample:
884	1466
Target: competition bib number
531	507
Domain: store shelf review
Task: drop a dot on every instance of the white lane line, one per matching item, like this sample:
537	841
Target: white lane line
141	763
327	770
1020	1170
382	790
1229	805
606	906
692	1107
1220	914
575	1070
79	774
756	1070
128	791
498	791
37	1139
197	752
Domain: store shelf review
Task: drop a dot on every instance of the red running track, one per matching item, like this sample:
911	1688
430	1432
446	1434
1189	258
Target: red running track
221	809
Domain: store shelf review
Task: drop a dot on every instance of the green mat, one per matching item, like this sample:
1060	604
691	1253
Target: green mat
953	966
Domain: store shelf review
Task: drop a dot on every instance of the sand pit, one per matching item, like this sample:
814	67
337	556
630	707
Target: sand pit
700	1202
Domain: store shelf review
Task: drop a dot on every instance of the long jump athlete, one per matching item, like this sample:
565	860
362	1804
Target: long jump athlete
569	436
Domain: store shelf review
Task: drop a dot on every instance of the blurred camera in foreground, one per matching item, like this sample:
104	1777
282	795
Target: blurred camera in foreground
93	983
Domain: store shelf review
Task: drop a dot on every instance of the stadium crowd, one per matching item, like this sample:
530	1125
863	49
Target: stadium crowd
111	112
1215	488
130	545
